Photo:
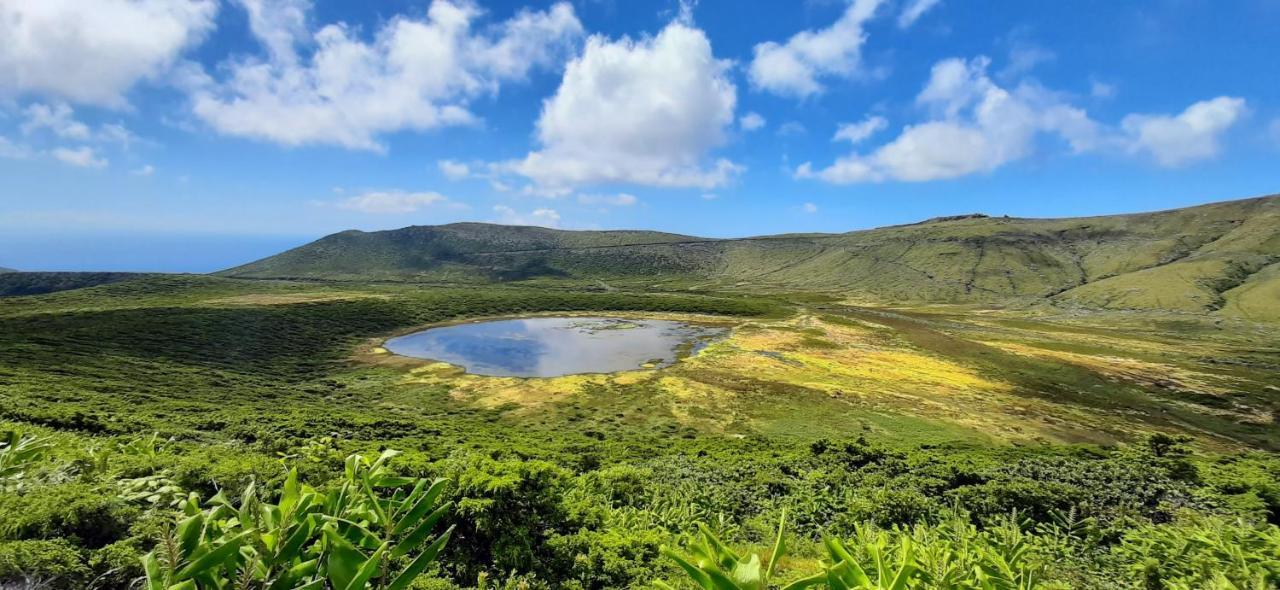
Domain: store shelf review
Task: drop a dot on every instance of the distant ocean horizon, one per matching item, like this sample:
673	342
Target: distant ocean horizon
138	251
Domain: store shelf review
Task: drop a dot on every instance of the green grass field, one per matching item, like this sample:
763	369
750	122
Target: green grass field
1102	440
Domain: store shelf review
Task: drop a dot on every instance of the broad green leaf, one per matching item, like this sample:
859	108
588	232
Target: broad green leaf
289	579
837	551
419	509
420	533
806	582
722	581
189	531
357	534
746	574
344	560
693	571
151	566
368	569
420	563
214	557
391	481
377	506
725	555
300	535
289	497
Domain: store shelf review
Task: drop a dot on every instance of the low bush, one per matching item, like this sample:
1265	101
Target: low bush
86	515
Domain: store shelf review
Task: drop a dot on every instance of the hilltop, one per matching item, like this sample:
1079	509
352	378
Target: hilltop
1221	257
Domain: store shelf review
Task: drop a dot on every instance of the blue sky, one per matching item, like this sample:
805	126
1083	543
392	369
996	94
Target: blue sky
192	135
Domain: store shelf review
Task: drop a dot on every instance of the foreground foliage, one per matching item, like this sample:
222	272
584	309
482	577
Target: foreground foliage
314	520
954	554
355	536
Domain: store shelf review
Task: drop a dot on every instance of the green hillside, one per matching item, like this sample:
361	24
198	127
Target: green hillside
1220	257
470	251
14	283
7	270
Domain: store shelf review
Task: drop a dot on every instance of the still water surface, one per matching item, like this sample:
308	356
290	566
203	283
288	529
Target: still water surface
549	347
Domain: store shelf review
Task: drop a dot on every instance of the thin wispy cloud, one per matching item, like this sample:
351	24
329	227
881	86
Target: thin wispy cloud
81	157
393	202
913	10
541	217
616	200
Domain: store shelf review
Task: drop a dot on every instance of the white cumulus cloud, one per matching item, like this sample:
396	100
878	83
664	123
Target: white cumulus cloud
388	202
344	91
809	208
144	170
644	111
83	157
1190	136
977	126
94	52
795	68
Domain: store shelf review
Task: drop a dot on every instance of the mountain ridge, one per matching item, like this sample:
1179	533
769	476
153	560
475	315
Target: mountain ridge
1205	258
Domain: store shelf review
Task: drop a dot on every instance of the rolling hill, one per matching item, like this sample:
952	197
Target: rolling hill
1221	257
5	270
15	283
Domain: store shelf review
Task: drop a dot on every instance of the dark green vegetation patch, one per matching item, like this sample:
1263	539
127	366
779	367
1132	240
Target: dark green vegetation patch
14	283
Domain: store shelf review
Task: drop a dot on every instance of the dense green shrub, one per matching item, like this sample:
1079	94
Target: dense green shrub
1249	483
87	515
507	509
57	563
225	467
608	557
117	565
1203	552
1033	499
887	507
